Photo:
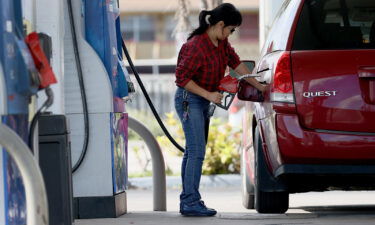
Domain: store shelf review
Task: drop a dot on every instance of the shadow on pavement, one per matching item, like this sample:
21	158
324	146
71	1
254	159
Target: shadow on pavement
352	209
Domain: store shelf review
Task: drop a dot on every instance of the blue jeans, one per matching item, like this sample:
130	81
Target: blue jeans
195	125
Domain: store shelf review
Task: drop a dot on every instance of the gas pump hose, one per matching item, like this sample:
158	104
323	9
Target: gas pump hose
161	124
82	88
46	105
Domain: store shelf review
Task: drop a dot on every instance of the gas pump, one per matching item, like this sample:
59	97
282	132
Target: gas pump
95	88
16	88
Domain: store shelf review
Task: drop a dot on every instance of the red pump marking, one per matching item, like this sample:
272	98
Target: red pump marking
41	63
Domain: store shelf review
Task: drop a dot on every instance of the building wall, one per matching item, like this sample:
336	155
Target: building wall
150	35
166	50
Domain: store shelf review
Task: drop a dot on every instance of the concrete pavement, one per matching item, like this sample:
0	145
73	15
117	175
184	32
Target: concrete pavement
169	218
317	208
293	218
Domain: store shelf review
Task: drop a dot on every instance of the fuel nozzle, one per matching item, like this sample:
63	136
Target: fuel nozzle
228	87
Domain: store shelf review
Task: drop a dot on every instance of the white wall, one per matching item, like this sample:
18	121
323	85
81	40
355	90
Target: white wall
28	10
267	12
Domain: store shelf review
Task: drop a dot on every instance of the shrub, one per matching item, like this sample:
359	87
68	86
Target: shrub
222	155
151	123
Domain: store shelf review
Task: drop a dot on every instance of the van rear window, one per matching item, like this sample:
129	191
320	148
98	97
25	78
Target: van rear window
336	24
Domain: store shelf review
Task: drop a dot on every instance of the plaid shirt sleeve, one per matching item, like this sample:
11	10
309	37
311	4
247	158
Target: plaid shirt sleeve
233	58
189	62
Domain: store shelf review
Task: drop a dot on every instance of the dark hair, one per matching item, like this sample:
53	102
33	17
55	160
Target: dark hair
225	12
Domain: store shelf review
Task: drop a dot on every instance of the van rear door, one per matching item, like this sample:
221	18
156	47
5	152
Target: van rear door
333	65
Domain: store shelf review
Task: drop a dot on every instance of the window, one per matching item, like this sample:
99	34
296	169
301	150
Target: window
138	28
336	24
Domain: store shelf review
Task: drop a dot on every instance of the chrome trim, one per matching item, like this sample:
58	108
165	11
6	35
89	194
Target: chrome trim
345	132
281	97
3	93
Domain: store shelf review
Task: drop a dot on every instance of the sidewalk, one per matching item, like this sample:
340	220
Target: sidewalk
174	182
173	218
316	208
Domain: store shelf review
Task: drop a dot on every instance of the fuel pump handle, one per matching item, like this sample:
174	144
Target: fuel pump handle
40	60
229	88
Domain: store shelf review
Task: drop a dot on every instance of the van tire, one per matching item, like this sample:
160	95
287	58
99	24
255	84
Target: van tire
266	201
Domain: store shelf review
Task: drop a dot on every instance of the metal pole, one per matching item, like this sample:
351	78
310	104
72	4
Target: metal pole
36	197
158	166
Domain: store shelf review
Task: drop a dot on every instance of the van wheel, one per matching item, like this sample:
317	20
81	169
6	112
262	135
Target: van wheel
247	187
265	201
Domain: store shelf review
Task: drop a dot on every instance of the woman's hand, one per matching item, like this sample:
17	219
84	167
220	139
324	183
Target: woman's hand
214	97
262	88
242	69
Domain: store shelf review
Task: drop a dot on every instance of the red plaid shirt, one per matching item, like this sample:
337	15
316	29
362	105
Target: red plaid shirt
204	63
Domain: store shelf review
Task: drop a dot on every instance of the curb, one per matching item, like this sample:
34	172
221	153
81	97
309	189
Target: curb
174	182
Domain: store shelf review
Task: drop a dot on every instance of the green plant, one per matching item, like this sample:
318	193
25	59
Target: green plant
222	154
149	121
141	154
175	129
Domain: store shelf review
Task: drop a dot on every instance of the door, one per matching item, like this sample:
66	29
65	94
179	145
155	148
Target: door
333	65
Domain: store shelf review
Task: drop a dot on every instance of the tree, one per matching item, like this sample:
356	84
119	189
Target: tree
204	4
183	26
215	3
210	4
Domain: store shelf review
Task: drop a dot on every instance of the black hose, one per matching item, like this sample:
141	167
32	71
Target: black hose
32	129
148	99
46	105
82	88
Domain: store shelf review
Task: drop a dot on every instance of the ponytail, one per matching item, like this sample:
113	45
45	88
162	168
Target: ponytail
225	12
204	17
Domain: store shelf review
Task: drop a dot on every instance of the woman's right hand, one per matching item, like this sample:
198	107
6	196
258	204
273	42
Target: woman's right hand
214	97
262	88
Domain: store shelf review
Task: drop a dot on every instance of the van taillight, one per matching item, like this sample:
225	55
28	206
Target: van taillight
282	85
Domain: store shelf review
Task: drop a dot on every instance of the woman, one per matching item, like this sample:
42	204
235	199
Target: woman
201	65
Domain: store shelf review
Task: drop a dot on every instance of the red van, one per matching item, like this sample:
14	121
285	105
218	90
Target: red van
315	129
